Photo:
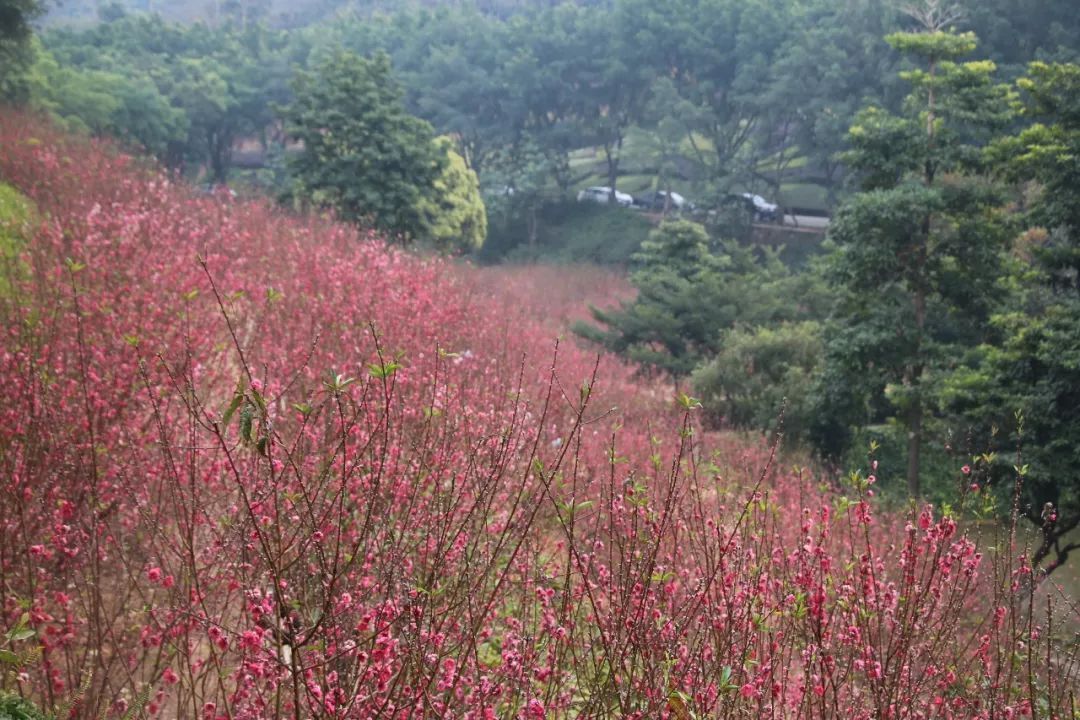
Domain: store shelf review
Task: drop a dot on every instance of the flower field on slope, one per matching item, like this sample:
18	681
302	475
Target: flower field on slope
257	466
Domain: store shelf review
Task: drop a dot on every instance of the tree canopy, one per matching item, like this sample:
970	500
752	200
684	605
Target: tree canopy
363	154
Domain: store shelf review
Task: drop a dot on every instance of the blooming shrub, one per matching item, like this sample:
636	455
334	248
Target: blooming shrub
260	466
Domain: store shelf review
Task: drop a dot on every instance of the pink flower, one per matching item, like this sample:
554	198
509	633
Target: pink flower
154	574
748	691
536	709
170	677
966	469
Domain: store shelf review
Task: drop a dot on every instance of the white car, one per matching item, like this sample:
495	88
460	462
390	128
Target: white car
763	209
602	195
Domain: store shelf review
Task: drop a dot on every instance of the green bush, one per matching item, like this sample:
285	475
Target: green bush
756	371
13	707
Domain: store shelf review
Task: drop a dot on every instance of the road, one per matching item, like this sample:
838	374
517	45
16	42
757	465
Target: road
806	222
796	223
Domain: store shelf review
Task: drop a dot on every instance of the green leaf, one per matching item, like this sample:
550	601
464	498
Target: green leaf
383	370
687	402
338	383
247	416
231	409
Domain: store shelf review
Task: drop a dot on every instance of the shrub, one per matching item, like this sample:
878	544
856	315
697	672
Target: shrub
759	373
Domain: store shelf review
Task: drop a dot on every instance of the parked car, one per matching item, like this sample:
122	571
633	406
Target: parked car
602	195
764	211
656	200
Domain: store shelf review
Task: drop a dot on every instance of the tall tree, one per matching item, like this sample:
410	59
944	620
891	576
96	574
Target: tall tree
15	31
458	81
835	63
552	77
718	55
616	91
1034	365
919	249
363	154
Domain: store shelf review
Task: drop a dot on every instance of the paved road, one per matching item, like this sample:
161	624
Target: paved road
799	223
807	222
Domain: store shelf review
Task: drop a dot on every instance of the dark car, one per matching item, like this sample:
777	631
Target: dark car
657	200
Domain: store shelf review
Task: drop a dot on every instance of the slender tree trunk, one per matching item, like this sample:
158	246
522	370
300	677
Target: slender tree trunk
914	373
914	446
915	410
612	154
532	226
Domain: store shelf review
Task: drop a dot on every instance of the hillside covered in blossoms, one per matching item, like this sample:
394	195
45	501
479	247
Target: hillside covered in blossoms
264	466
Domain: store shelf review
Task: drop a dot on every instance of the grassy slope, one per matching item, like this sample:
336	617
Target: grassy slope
16	214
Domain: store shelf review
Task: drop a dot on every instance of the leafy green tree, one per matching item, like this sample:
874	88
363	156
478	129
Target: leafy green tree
128	107
759	371
15	17
454	215
363	154
517	177
1047	153
1016	32
617	90
1033	366
186	93
918	252
689	294
552	75
718	54
454	73
15	53
835	62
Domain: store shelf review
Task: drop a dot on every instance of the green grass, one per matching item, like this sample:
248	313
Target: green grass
803	195
16	215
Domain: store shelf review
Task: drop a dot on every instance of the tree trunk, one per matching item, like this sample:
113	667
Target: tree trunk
612	157
915	372
914	447
532	227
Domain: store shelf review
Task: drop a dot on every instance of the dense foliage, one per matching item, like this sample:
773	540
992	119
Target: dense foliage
703	96
1030	365
689	294
363	155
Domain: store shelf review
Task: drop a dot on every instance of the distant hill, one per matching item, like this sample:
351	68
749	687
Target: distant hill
275	13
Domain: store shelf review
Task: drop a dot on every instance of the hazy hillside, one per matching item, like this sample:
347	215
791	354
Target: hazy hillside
275	13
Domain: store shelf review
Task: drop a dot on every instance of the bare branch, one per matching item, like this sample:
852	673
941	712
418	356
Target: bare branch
934	15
